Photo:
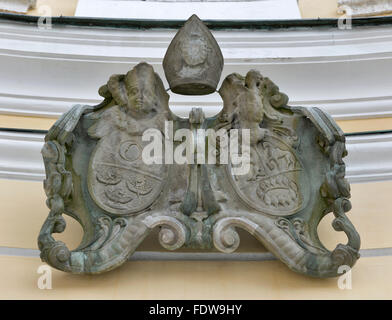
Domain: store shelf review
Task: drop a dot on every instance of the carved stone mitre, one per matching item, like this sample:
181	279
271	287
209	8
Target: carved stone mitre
100	169
193	62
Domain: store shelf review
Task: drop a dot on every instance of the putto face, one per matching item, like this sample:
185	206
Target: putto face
141	99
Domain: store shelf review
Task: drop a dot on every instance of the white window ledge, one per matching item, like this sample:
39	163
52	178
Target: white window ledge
363	8
248	10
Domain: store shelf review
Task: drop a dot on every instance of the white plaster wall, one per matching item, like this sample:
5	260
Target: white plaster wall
180	10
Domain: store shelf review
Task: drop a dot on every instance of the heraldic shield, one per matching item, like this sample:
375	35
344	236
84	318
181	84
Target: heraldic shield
129	165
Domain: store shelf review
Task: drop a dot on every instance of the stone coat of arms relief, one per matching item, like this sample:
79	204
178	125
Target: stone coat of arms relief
97	173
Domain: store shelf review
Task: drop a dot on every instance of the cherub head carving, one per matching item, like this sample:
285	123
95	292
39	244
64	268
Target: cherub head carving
243	98
140	91
251	98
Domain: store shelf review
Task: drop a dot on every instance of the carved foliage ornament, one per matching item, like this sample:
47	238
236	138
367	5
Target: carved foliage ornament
97	174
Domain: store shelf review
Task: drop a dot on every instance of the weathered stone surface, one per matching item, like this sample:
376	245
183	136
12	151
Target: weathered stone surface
193	62
96	173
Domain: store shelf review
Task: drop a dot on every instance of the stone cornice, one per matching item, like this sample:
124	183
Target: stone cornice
144	24
369	156
45	72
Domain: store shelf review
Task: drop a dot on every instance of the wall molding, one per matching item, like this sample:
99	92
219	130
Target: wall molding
369	157
193	256
20	156
44	72
52	107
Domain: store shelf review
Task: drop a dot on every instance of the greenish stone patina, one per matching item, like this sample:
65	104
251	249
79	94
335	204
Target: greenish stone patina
96	174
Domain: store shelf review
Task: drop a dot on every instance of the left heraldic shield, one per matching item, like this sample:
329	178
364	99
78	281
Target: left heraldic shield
119	180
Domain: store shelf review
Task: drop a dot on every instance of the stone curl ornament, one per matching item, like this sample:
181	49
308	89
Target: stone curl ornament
97	172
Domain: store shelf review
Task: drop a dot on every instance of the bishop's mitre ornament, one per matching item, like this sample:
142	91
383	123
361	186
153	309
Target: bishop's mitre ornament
193	62
119	168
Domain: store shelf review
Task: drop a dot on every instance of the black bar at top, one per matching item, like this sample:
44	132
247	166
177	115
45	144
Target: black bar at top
212	24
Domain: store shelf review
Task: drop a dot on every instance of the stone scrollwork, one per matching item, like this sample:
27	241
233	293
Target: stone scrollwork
225	236
97	172
173	233
336	191
108	240
58	188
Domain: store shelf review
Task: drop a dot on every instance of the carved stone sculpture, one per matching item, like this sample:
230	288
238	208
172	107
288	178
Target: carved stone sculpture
97	173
